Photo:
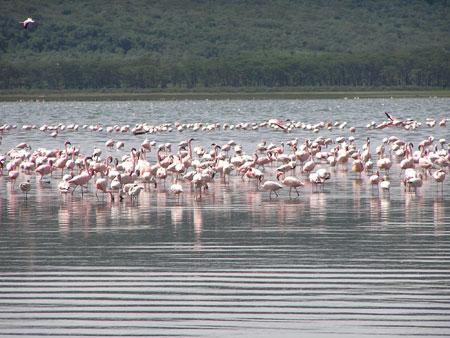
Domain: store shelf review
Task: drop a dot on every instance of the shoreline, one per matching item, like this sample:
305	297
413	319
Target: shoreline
244	94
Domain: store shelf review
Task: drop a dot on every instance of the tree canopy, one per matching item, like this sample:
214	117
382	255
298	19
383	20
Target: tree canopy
224	43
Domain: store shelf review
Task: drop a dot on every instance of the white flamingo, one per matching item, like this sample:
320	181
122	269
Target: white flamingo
271	187
27	22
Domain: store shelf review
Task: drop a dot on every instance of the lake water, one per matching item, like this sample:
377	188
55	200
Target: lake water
339	263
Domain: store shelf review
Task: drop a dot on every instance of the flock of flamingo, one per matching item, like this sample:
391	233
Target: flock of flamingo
291	164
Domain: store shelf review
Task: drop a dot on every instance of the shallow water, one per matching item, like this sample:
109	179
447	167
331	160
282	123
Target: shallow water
342	262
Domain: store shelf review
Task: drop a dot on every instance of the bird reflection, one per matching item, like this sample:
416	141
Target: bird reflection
291	211
385	206
101	219
64	220
198	222
413	206
12	202
356	190
198	228
317	204
439	216
375	213
176	214
161	201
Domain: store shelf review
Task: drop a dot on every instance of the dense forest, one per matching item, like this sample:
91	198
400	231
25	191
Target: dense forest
225	43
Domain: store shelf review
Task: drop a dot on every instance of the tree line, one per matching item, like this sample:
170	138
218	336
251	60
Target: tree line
283	69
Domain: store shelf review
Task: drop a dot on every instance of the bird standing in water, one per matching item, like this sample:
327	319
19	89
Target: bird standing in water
25	187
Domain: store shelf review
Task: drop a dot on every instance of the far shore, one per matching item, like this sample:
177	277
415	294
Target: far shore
235	94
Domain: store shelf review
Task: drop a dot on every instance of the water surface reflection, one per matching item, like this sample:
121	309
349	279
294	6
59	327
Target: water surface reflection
339	262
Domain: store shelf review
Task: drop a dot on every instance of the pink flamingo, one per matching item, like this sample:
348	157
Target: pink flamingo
27	22
13	174
290	181
375	179
256	174
176	189
187	160
439	177
44	169
60	163
83	178
358	165
102	184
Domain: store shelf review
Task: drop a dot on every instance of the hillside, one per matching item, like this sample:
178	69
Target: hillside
155	37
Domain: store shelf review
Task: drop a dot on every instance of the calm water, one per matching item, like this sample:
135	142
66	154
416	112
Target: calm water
343	262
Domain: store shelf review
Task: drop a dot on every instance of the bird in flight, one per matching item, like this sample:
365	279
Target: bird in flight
27	22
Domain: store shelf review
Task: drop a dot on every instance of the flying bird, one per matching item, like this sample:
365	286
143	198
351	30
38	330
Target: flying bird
27	22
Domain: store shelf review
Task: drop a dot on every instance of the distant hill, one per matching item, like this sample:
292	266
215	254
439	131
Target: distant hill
214	37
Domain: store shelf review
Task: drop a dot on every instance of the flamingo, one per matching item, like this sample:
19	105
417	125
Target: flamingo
271	187
315	180
308	167
116	183
102	184
82	179
374	179
64	185
323	174
13	174
358	165
110	144
385	184
393	120
384	163
415	182
291	182
27	22
44	169
255	174
176	189
25	187
61	162
439	177
224	167
197	181
134	191
408	161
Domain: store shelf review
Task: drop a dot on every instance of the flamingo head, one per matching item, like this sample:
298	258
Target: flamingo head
279	174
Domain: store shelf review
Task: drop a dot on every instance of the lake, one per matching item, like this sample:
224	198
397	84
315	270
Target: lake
345	261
